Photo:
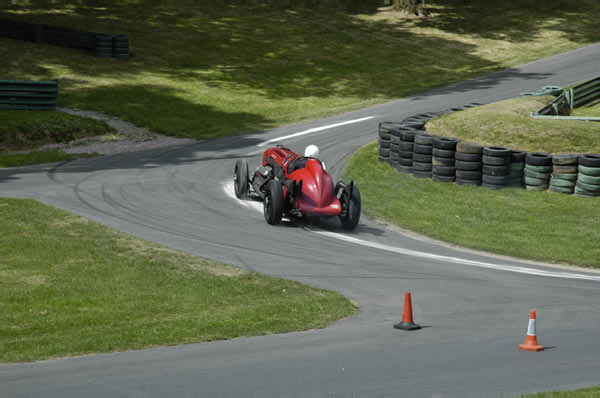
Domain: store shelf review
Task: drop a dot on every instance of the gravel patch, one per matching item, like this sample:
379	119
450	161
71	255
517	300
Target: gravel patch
129	137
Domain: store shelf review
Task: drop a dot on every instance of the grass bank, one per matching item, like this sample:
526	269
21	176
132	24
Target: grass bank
509	123
206	70
70	286
541	226
22	130
593	392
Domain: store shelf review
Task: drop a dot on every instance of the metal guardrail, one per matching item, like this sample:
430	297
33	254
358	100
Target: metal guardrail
106	45
583	93
570	99
20	94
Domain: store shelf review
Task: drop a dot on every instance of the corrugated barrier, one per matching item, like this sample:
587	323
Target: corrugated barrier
106	45
18	94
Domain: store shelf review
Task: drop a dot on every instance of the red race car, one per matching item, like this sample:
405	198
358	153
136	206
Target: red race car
297	186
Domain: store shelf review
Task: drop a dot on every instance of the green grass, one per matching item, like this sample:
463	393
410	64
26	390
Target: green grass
69	286
593	392
206	71
542	226
23	130
37	157
592	109
509	123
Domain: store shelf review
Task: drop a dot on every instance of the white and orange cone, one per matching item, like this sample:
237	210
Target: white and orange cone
407	322
531	343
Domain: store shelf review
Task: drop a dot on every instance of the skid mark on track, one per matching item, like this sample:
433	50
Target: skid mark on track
227	188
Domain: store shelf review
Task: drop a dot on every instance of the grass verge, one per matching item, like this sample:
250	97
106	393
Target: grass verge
509	123
22	130
208	70
70	286
593	392
542	226
37	157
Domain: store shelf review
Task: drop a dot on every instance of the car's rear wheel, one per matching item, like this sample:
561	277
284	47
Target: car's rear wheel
240	179
273	202
350	220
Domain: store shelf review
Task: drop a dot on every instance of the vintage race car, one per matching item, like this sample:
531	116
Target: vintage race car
297	186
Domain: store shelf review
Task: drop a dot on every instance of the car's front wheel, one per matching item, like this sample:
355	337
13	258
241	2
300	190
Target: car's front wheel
240	179
273	202
350	220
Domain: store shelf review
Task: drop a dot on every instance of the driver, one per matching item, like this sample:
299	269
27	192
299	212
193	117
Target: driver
311	152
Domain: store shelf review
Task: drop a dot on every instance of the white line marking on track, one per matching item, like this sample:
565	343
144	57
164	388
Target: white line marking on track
228	189
315	130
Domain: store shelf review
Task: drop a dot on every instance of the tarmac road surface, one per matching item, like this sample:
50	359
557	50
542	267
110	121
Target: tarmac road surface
474	307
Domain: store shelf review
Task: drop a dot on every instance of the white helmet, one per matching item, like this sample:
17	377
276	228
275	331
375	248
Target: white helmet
311	151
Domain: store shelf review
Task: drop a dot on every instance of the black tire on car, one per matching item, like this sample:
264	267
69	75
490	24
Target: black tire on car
240	179
273	202
350	221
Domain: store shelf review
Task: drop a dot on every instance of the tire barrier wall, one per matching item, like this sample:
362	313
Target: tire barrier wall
105	45
17	94
570	99
407	147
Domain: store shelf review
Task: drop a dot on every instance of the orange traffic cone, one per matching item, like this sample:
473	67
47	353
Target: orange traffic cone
407	322
531	343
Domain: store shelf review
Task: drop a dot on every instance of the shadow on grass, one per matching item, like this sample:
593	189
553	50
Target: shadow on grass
515	22
203	70
166	108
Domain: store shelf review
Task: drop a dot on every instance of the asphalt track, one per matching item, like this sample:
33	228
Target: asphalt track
474	307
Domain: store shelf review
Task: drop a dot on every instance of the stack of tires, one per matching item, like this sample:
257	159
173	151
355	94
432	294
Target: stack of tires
517	165
385	141
564	173
442	160
121	46
468	163
406	149
104	45
588	180
496	167
538	170
423	150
